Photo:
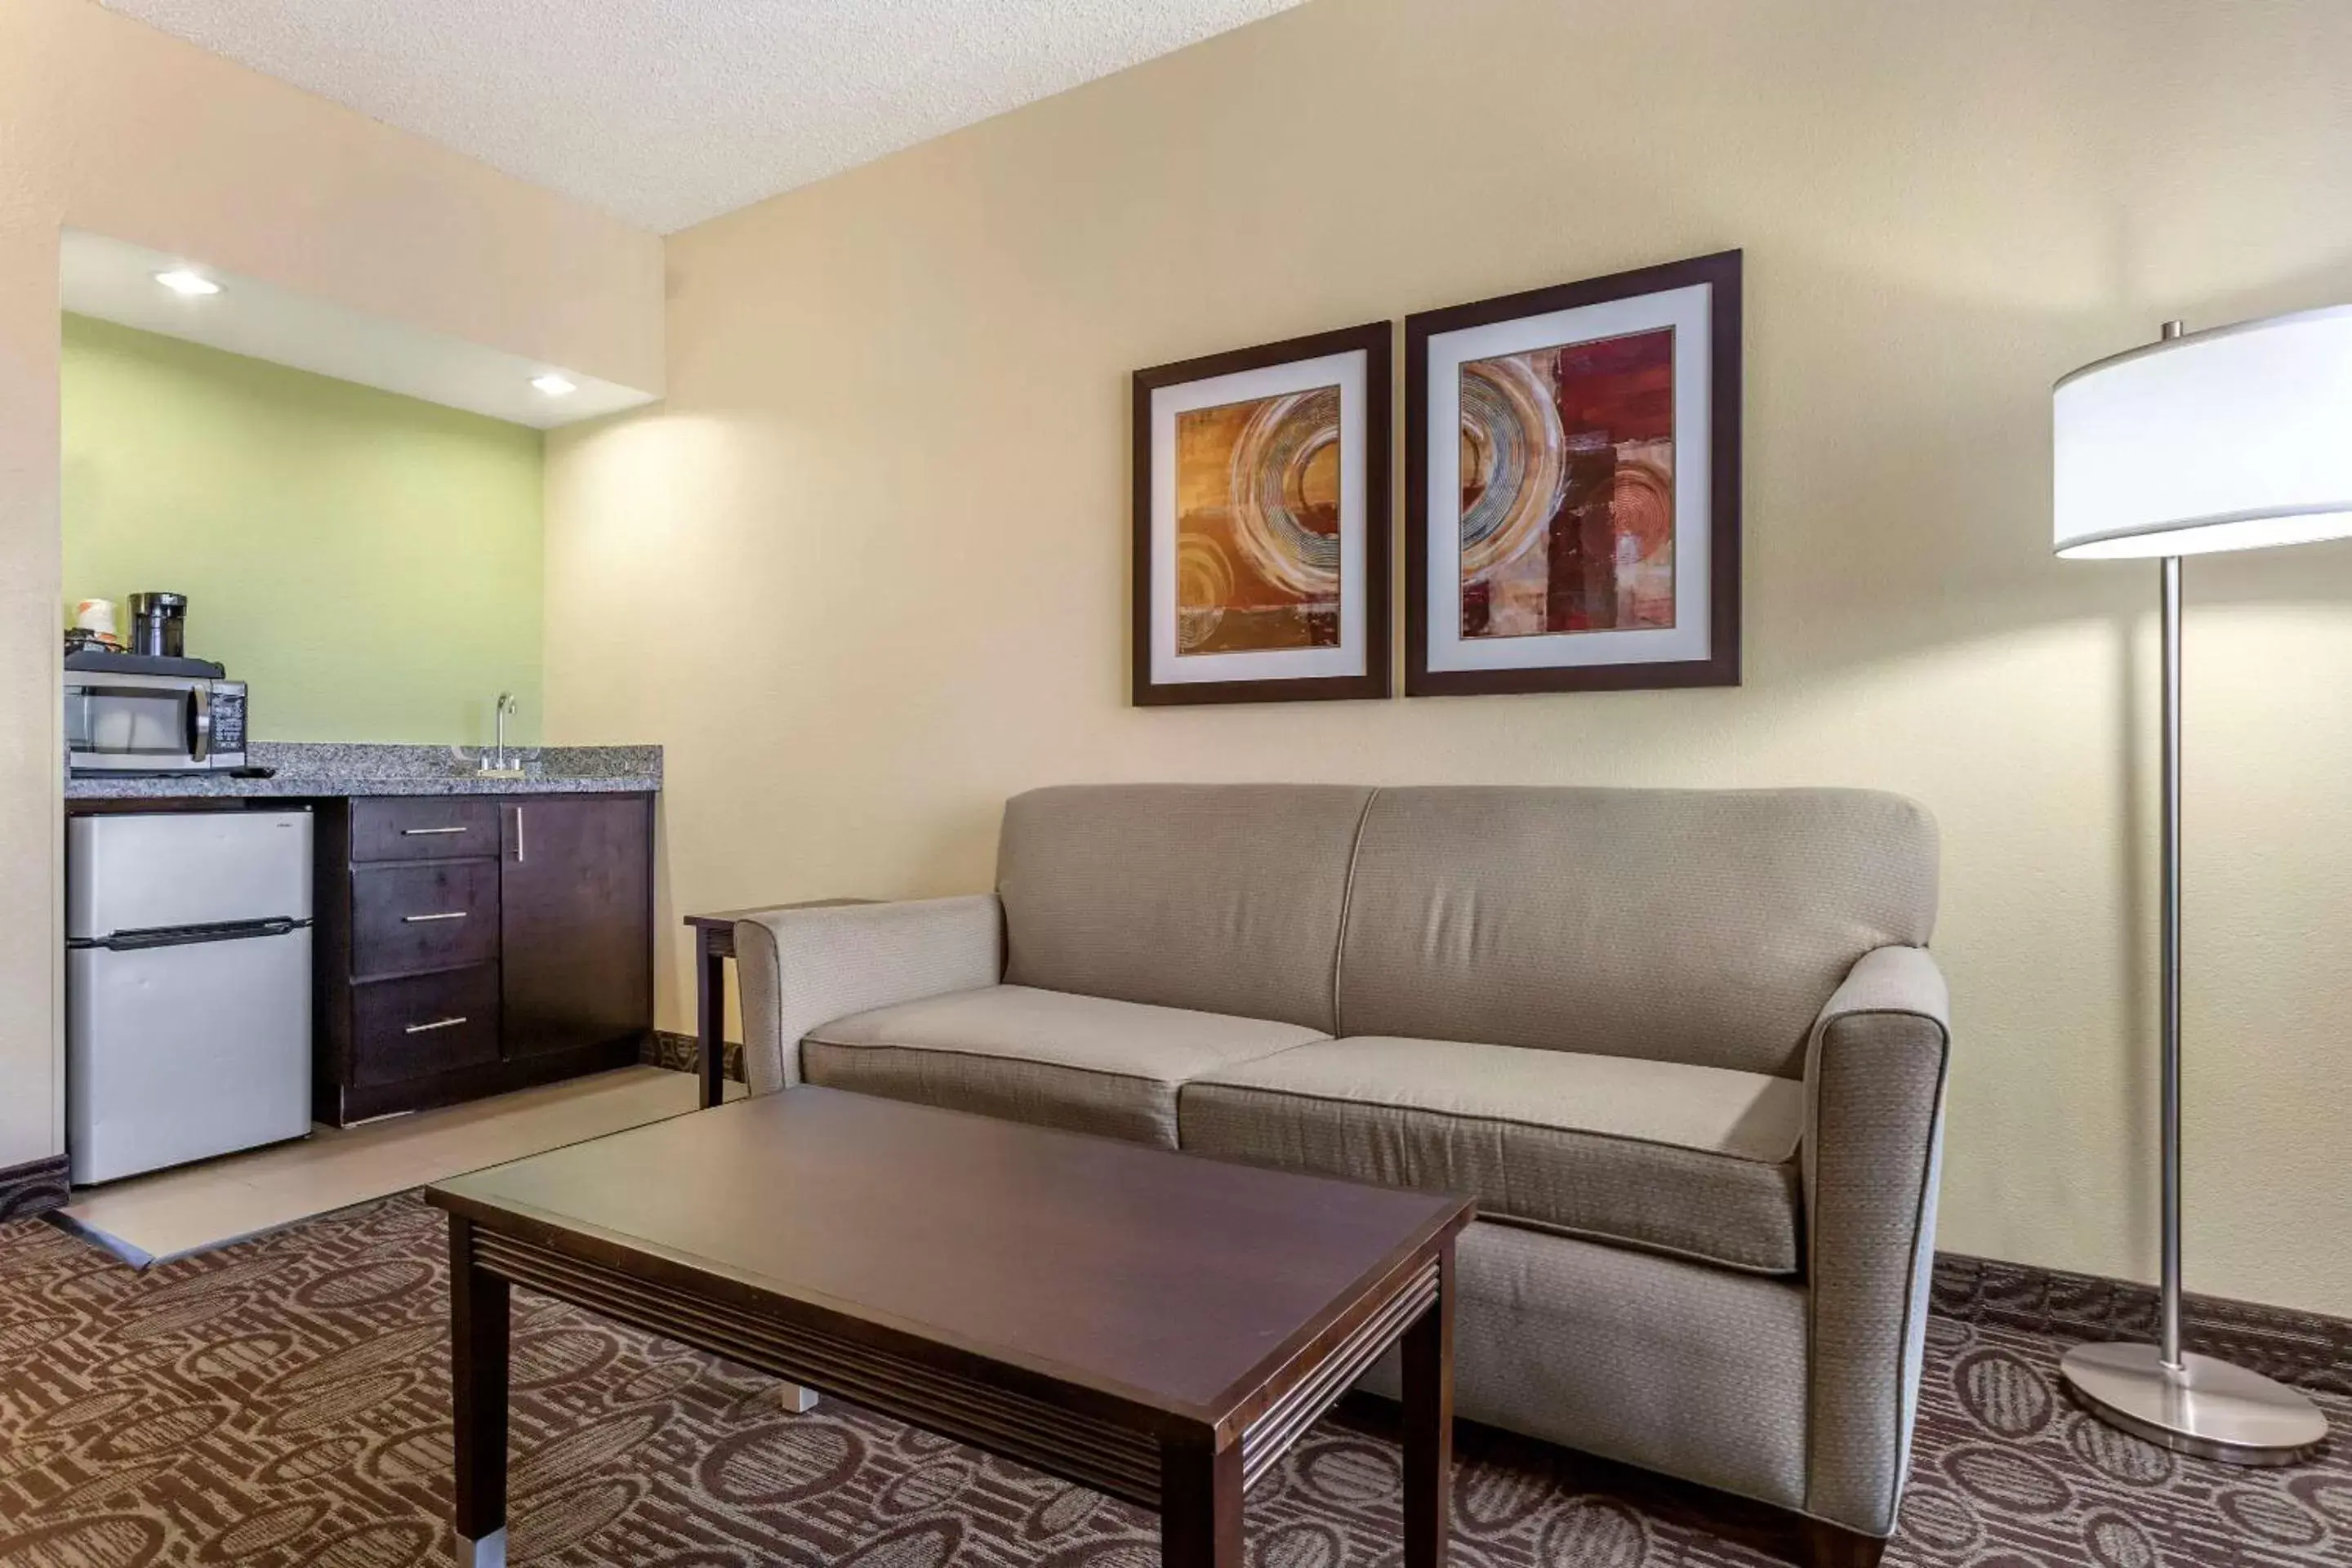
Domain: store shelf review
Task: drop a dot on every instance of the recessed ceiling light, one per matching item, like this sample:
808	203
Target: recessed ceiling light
554	386
180	280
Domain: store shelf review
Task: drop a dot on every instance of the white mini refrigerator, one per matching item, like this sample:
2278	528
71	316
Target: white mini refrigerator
187	986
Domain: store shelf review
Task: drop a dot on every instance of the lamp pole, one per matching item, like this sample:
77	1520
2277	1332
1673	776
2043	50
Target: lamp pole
2170	1072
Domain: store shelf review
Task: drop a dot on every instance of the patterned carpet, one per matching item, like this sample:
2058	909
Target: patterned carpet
285	1402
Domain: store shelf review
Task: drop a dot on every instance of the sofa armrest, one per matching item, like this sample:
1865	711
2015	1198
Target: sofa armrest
803	967
1874	1074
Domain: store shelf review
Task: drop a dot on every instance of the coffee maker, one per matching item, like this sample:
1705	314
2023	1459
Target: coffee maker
158	625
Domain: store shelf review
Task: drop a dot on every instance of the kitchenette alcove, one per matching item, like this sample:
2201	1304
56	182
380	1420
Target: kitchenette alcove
303	578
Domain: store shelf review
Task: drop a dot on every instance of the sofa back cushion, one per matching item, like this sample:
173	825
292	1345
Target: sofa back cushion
1223	898
1695	926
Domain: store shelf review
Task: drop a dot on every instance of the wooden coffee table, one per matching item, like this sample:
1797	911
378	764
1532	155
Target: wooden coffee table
1152	1325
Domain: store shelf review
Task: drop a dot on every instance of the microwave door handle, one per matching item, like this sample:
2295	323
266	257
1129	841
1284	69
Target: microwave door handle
200	722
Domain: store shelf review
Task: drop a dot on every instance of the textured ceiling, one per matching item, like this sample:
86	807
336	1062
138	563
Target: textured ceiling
665	113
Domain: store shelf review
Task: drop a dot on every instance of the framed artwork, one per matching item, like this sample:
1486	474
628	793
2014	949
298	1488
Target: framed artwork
1262	523
1572	486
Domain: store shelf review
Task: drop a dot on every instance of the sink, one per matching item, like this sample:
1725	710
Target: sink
469	762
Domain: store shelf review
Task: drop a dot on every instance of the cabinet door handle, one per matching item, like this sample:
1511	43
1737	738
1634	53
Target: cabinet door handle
519	856
436	1024
420	920
426	832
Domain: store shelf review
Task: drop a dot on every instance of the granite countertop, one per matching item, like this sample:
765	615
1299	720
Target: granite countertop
312	769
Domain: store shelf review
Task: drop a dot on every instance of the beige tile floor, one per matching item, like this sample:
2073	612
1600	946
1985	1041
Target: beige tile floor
152	1219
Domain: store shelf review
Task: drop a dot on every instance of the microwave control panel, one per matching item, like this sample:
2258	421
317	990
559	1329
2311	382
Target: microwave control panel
228	719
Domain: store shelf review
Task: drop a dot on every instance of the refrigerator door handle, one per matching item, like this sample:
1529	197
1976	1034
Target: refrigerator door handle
182	936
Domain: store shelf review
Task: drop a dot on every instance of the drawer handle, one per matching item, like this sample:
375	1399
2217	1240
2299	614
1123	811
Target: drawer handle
420	920
436	1024
426	832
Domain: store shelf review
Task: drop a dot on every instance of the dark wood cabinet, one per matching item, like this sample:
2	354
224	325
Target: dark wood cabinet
575	922
470	944
424	1025
425	828
433	915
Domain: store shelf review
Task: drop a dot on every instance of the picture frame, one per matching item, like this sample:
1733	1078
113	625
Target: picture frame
1572	486
1262	522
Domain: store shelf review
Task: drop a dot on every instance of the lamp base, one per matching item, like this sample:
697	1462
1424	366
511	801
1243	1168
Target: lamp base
2204	1407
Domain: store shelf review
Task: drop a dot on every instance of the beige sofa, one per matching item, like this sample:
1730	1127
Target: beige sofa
1686	1049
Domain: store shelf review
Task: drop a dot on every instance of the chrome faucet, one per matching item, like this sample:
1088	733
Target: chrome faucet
506	705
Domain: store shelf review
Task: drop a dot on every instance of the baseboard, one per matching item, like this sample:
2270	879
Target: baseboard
683	1053
35	1187
2306	1349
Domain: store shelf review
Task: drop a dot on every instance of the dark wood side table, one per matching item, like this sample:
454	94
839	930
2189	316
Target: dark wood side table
1147	1324
714	944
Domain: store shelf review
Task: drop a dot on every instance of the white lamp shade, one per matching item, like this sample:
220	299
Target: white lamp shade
2223	440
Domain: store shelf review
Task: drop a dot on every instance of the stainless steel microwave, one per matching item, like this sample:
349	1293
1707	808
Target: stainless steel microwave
117	722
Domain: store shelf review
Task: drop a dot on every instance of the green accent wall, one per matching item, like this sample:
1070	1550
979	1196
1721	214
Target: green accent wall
368	563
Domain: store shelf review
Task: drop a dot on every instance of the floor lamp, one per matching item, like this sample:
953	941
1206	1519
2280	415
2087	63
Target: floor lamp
2225	439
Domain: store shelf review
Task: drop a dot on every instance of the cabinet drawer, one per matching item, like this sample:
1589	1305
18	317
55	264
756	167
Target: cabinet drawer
426	1025
411	917
425	828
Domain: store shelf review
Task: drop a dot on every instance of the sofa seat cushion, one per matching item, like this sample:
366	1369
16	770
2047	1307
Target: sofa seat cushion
1087	1064
1695	1162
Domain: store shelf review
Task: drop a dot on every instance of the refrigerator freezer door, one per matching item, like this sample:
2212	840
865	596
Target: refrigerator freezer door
141	871
177	1053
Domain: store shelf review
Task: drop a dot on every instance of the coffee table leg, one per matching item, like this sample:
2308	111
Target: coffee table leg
1199	1505
1429	1425
477	1399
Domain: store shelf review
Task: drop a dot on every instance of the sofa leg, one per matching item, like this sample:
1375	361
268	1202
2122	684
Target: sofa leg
1834	1546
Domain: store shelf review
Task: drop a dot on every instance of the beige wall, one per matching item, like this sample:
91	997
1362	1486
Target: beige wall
106	125
865	573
